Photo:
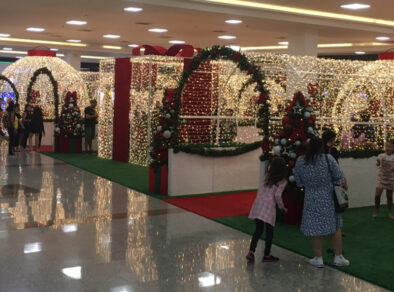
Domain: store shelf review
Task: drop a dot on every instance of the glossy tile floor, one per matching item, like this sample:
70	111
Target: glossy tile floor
63	229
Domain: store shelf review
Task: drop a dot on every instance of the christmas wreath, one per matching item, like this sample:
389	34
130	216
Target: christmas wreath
16	93
166	134
30	91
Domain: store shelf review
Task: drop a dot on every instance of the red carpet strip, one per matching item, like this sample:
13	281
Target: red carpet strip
217	206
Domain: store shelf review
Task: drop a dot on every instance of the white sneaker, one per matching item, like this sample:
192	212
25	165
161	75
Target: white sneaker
340	261
317	262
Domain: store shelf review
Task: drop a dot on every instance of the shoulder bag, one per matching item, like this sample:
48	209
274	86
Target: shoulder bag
340	195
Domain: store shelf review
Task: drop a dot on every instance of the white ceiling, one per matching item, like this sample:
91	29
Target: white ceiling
194	21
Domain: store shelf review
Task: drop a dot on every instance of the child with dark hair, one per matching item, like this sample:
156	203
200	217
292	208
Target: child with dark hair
263	211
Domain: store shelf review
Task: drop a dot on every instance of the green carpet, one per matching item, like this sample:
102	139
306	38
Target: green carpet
368	243
133	176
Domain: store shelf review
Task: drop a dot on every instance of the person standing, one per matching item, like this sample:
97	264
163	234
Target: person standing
18	126
9	124
316	173
385	179
90	124
26	119
37	126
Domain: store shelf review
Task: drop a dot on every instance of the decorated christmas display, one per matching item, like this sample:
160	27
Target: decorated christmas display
29	77
69	127
215	103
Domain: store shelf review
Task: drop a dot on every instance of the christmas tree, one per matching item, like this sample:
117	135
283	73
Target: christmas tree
70	120
298	128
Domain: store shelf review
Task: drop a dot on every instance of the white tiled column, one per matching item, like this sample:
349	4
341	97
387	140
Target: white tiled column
74	59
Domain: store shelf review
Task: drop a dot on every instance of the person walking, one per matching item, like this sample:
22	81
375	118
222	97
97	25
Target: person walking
317	173
263	210
90	124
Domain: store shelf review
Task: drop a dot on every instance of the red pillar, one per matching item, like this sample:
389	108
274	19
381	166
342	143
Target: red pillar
121	132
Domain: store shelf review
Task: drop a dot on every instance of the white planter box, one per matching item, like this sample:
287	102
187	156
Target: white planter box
196	174
49	140
361	178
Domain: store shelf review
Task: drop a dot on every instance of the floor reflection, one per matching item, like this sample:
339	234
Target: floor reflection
116	238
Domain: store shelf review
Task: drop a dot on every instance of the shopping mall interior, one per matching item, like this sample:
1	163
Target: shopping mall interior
149	145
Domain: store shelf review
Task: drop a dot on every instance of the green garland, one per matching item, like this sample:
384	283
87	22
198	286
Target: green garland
360	153
4	78
33	79
215	151
167	134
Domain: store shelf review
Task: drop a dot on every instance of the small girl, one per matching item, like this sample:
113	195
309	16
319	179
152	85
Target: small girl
385	180
264	210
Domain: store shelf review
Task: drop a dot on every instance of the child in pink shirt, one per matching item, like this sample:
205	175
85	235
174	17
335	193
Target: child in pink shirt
264	207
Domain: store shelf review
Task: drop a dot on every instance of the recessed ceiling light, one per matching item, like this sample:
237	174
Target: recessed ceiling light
54	50
111	36
35	29
112	47
74	41
355	6
76	22
133	45
7	49
382	38
132	9
158	30
283	43
233	21
227	37
176	42
359	53
4	35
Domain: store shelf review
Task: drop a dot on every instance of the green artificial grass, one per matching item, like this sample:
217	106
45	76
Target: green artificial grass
368	243
133	176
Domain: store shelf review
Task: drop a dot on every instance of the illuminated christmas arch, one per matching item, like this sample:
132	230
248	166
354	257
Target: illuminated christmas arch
12	85
168	133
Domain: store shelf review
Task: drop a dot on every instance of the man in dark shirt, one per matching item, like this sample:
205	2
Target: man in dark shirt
90	124
10	126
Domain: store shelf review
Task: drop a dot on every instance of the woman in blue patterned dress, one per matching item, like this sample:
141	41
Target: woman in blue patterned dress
319	219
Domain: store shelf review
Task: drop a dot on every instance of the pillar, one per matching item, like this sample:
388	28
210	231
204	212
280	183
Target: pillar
303	42
74	59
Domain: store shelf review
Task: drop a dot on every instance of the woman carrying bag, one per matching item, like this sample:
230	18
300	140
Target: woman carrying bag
316	173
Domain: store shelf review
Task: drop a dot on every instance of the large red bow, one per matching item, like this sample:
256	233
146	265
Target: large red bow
175	50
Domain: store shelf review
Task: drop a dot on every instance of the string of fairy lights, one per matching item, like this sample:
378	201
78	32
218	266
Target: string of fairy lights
342	91
67	77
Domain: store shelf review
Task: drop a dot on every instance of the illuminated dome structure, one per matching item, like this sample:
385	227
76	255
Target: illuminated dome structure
365	105
67	78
